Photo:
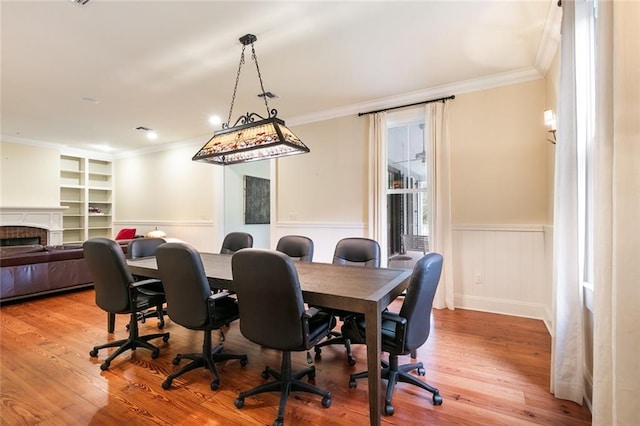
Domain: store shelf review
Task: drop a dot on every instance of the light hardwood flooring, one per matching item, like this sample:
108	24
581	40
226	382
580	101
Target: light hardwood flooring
490	369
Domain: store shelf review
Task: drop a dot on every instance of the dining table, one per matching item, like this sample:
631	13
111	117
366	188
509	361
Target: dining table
342	287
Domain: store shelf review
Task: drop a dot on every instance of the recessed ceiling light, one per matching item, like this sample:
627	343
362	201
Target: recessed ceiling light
215	120
90	100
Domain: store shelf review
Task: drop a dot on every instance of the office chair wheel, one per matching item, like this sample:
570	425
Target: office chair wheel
166	384
155	354
105	365
278	422
437	399
312	374
388	410
161	325
176	360
244	362
265	373
351	360
421	372
165	338
318	351
215	385
352	383
239	402
94	352
326	402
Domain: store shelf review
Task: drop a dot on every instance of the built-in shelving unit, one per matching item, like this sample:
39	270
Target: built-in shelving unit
86	191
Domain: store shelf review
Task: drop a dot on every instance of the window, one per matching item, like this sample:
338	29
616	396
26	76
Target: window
585	120
408	182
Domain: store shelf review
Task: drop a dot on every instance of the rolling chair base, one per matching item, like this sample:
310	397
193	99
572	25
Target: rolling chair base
394	374
133	342
337	339
286	382
207	361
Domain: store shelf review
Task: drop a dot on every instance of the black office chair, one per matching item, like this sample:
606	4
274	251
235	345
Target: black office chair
272	314
351	251
145	247
405	331
117	293
191	304
296	247
235	241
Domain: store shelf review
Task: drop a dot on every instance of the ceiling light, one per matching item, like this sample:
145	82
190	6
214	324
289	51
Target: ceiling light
248	139
79	1
215	120
151	135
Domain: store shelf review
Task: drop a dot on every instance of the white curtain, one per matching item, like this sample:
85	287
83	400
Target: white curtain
616	370
378	181
436	133
567	373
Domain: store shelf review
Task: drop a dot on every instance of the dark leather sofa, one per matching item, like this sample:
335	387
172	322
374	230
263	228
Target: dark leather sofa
27	271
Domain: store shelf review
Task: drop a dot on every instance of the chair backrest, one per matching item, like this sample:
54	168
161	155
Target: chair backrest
185	284
235	241
296	247
110	273
143	247
269	298
418	301
357	251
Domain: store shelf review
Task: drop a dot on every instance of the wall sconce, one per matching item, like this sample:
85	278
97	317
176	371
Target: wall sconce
550	121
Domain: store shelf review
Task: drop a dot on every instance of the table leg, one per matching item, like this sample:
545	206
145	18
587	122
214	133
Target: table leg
374	346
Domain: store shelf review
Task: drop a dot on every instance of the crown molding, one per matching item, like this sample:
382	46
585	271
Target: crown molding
466	86
550	40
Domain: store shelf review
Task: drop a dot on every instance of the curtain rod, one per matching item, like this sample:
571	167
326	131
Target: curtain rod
360	114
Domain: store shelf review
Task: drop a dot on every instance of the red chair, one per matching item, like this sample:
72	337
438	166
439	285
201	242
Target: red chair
126	234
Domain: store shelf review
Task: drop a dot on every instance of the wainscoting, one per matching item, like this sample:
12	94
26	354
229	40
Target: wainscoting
502	269
204	236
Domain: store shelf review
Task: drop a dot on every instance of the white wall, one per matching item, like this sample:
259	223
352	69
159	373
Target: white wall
29	176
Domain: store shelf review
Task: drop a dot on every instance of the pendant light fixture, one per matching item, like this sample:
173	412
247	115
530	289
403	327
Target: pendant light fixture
248	139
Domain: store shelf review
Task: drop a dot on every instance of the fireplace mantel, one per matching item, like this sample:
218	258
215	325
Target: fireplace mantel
49	218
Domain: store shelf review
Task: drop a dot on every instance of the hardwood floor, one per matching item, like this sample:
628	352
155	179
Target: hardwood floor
490	369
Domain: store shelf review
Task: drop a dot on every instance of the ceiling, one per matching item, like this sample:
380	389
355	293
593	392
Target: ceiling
169	65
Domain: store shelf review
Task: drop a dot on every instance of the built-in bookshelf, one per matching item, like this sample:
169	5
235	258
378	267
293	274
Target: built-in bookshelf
86	192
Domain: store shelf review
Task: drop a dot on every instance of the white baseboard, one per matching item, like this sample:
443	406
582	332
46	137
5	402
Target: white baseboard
501	306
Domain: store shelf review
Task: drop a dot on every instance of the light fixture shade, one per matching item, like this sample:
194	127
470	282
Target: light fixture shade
259	140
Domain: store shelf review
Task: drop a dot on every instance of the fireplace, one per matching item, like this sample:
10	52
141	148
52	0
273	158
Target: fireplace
22	236
26	225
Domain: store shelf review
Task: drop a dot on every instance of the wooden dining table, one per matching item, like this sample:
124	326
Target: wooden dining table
352	288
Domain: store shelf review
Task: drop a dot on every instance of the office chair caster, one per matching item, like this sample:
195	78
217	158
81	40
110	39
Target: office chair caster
265	373
421	371
326	402
167	384
93	353
351	360
244	362
437	399
278	422
155	354
215	384
176	360
239	402
388	410
105	365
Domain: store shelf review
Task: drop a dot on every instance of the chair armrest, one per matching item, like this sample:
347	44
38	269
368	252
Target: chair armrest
311	312
137	284
219	295
401	326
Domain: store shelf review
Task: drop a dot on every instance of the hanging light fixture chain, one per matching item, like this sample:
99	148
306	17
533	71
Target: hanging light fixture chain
235	88
255	59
